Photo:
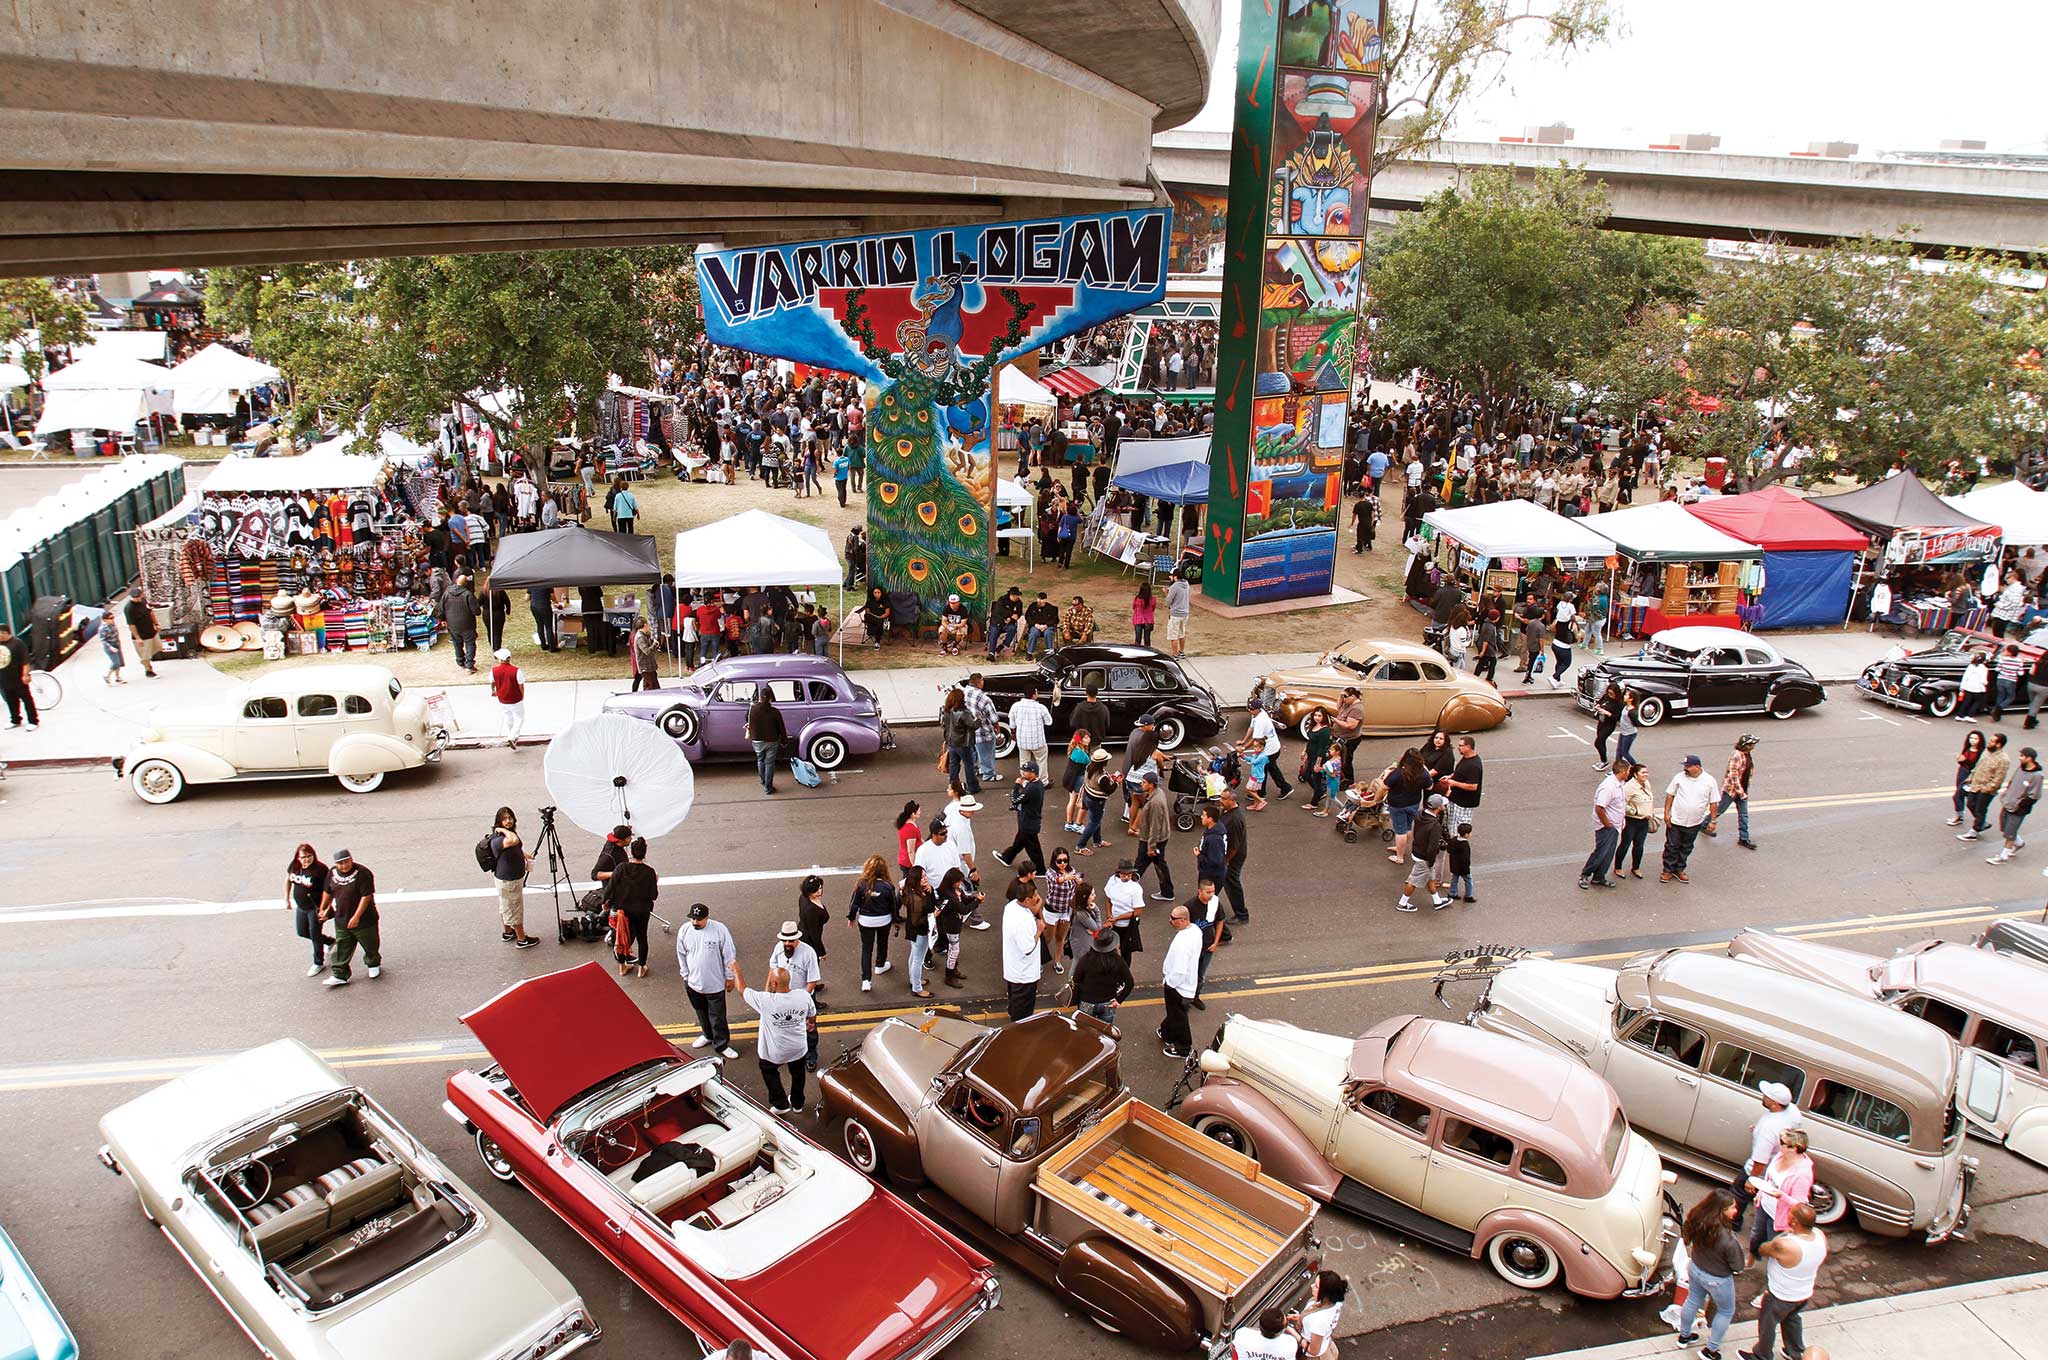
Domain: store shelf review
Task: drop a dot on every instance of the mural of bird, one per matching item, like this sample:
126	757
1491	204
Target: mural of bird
928	529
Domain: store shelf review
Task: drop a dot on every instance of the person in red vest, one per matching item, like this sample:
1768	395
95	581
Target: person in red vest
508	687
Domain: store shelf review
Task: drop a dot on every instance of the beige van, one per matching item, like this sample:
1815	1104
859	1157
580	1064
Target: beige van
1685	1039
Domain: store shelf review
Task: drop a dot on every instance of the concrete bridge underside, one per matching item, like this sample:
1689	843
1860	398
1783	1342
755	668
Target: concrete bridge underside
153	132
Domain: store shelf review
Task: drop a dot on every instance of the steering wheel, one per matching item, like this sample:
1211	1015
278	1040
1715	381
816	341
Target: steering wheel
611	1145
242	1178
982	1111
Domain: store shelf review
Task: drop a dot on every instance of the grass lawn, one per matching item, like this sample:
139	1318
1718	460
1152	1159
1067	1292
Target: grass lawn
668	507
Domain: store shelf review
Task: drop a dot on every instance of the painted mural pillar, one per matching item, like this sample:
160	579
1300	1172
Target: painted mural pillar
1293	328
926	318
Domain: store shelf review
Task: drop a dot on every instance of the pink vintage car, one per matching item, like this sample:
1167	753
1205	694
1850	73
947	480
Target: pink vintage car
726	1216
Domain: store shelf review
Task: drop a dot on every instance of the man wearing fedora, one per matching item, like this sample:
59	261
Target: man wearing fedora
793	956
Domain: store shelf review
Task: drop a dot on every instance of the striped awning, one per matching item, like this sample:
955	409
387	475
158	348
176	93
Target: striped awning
1070	382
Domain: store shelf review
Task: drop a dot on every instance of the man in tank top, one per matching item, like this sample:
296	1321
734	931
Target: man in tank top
1791	1262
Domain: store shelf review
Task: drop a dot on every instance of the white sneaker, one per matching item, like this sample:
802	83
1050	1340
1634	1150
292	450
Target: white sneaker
374	969
316	970
699	1042
866	986
1955	821
335	982
882	968
977	925
2001	857
730	1052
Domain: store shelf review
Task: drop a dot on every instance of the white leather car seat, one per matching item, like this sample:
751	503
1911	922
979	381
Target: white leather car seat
732	1148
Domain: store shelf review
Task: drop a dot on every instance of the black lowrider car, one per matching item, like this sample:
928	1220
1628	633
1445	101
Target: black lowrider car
1130	680
1701	671
1930	681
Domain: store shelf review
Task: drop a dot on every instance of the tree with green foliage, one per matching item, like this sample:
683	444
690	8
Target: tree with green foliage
1813	364
393	343
39	307
1502	283
1440	53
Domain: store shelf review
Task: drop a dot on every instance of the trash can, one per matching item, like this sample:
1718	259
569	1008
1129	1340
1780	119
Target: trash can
1717	473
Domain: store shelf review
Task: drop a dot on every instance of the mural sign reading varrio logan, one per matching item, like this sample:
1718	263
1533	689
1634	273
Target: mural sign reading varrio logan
926	318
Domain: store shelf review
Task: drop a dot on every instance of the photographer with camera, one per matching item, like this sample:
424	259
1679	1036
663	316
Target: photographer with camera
504	854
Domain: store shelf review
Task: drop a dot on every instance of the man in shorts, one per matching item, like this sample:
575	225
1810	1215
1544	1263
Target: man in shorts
1178	598
1429	842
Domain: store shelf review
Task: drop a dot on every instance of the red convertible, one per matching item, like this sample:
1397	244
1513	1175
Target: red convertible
728	1218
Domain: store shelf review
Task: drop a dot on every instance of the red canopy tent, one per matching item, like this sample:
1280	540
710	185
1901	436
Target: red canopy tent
1809	561
1070	382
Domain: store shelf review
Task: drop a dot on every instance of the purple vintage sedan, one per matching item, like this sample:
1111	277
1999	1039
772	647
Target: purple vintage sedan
828	716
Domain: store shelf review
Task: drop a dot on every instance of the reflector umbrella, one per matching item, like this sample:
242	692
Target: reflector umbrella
610	769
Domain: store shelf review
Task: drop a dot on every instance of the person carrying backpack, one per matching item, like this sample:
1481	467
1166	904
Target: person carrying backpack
504	855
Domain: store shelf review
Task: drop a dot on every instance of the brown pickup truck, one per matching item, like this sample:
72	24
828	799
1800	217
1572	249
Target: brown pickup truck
1026	1140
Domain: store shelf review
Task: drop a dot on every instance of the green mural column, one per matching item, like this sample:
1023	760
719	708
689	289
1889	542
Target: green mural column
1293	295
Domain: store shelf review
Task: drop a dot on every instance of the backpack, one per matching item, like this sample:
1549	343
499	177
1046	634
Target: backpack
487	858
804	773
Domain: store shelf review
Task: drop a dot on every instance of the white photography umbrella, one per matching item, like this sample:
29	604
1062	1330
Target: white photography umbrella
611	769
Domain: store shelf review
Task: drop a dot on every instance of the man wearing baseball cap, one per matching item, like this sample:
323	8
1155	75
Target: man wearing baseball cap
1029	802
1779	1114
710	966
1688	801
350	901
1423	848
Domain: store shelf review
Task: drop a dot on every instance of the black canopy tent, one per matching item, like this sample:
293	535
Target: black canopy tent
1908	526
575	556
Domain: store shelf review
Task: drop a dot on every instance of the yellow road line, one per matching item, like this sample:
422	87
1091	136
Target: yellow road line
147	1070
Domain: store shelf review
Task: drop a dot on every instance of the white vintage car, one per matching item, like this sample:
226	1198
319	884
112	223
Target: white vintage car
324	1228
356	723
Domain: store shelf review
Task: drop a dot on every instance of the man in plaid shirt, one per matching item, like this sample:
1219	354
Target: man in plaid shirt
1735	790
982	709
1028	721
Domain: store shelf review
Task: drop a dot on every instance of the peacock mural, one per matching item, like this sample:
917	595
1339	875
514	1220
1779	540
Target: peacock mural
931	473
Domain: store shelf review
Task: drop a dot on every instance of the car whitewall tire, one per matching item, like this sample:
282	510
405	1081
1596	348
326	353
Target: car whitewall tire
156	781
1523	1261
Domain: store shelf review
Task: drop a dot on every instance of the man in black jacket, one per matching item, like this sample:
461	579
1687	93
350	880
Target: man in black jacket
459	612
1002	621
766	732
1427	844
1091	715
1102	977
1029	801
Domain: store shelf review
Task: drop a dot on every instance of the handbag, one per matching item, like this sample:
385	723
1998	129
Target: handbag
592	900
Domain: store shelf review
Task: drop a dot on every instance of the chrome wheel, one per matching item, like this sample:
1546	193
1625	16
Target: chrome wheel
1522	1261
156	781
680	723
1649	711
860	1148
1006	741
494	1158
1942	705
828	752
1226	1132
368	783
1830	1206
1172	732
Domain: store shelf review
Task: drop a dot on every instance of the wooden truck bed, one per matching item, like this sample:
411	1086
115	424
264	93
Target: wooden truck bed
1184	1200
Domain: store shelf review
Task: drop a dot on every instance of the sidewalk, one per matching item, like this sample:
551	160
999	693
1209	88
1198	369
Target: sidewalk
1990	1320
96	722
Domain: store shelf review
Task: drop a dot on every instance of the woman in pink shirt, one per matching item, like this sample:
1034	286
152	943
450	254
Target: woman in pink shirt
1787	1180
1144	611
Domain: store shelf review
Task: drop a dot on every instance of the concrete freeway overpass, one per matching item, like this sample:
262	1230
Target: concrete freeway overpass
1690	193
153	132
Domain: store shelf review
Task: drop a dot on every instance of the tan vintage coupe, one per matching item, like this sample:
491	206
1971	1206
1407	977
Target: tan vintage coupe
1406	688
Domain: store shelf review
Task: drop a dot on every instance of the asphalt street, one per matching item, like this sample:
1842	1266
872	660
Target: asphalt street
141	939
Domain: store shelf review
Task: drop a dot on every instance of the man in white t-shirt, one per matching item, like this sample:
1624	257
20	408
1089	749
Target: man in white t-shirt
1779	1114
1180	978
1688	800
1126	894
783	1043
959	815
1265	732
1022	925
1270	1340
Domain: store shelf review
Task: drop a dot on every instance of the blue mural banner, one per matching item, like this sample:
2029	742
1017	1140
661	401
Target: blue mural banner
926	318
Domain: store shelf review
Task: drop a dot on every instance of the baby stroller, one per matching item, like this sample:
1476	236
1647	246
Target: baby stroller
1364	810
1192	782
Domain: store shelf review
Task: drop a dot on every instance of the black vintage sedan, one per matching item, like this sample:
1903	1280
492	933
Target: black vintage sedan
1703	671
1930	681
1130	680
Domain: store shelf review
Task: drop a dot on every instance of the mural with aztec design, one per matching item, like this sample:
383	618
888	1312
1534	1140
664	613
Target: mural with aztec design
926	318
1293	286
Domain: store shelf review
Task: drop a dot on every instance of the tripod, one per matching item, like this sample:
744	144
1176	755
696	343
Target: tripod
550	845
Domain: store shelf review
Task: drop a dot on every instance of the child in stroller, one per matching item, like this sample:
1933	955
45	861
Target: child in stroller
1192	781
1363	807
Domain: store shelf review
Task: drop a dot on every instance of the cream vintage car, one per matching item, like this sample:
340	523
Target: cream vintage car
1404	687
1687	1039
356	723
1487	1146
324	1228
1994	1005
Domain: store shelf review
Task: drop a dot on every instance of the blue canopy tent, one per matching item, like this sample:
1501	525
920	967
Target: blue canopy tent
1175	483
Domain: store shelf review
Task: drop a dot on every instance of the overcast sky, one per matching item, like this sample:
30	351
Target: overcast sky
1770	76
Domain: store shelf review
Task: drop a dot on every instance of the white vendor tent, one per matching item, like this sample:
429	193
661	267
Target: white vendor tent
326	468
392	447
152	346
1136	455
100	371
206	383
1665	531
1016	497
13	375
116	409
1018	388
2020	511
1519	528
757	548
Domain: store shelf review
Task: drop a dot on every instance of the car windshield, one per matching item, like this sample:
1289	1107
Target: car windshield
1657	651
1617	1135
704	677
1361	666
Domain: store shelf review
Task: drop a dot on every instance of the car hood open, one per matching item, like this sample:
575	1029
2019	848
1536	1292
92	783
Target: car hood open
559	1035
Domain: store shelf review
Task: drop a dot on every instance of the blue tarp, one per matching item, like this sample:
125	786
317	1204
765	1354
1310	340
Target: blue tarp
1802	589
1174	483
